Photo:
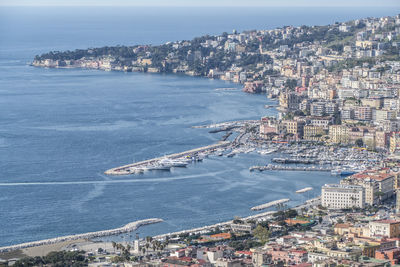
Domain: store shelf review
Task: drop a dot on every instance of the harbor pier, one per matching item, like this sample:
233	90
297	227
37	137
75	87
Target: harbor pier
159	163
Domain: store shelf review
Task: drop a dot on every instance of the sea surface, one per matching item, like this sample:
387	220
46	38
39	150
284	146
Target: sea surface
60	129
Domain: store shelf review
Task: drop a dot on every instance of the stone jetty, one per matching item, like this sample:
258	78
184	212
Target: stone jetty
270	204
127	228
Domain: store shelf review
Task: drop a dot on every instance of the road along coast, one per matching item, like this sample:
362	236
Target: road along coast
259	216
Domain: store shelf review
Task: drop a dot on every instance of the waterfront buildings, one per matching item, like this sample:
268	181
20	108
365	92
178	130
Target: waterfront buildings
378	184
340	196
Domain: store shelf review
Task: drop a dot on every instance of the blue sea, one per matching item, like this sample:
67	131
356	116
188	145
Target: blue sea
60	129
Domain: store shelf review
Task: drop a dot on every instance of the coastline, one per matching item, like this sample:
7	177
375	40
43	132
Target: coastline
135	225
263	215
93	65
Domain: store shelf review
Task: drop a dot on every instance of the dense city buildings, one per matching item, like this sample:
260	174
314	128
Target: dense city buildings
337	88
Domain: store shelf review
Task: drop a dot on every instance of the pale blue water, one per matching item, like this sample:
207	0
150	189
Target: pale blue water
60	129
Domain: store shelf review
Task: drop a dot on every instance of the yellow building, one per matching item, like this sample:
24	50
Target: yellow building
368	250
144	61
364	44
394	142
342	228
381	139
371	102
338	134
346	229
313	133
295	127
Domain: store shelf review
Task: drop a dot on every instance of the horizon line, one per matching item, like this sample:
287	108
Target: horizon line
194	5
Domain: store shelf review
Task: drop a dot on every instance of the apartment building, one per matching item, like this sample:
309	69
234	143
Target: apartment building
341	196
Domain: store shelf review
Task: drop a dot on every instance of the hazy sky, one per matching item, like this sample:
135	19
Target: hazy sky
361	3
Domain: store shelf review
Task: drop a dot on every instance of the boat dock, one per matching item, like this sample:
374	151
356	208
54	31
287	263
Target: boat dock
293	161
272	167
157	163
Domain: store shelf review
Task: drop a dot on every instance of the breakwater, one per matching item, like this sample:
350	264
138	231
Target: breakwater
124	229
270	204
148	164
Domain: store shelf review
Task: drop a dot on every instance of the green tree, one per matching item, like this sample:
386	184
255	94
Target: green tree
261	233
114	245
359	142
379	194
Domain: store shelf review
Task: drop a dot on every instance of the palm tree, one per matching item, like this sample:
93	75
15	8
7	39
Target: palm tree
353	199
379	194
303	210
113	245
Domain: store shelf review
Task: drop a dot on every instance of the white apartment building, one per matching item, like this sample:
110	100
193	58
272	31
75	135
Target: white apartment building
340	196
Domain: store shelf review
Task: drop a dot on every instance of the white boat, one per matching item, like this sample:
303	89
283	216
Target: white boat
159	167
266	152
174	162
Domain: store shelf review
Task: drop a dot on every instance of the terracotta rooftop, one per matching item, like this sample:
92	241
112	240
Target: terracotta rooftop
374	175
342	225
386	221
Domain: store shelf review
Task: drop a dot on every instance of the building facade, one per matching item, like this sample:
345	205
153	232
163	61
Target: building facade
340	196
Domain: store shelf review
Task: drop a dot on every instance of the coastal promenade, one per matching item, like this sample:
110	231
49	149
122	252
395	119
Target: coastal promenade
133	167
204	229
259	216
127	228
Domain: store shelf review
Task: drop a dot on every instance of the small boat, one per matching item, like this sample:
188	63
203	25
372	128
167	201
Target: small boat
342	172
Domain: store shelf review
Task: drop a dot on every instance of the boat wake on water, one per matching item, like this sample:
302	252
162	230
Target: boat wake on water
149	180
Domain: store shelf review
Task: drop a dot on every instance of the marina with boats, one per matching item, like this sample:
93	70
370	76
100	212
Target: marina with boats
165	163
295	156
